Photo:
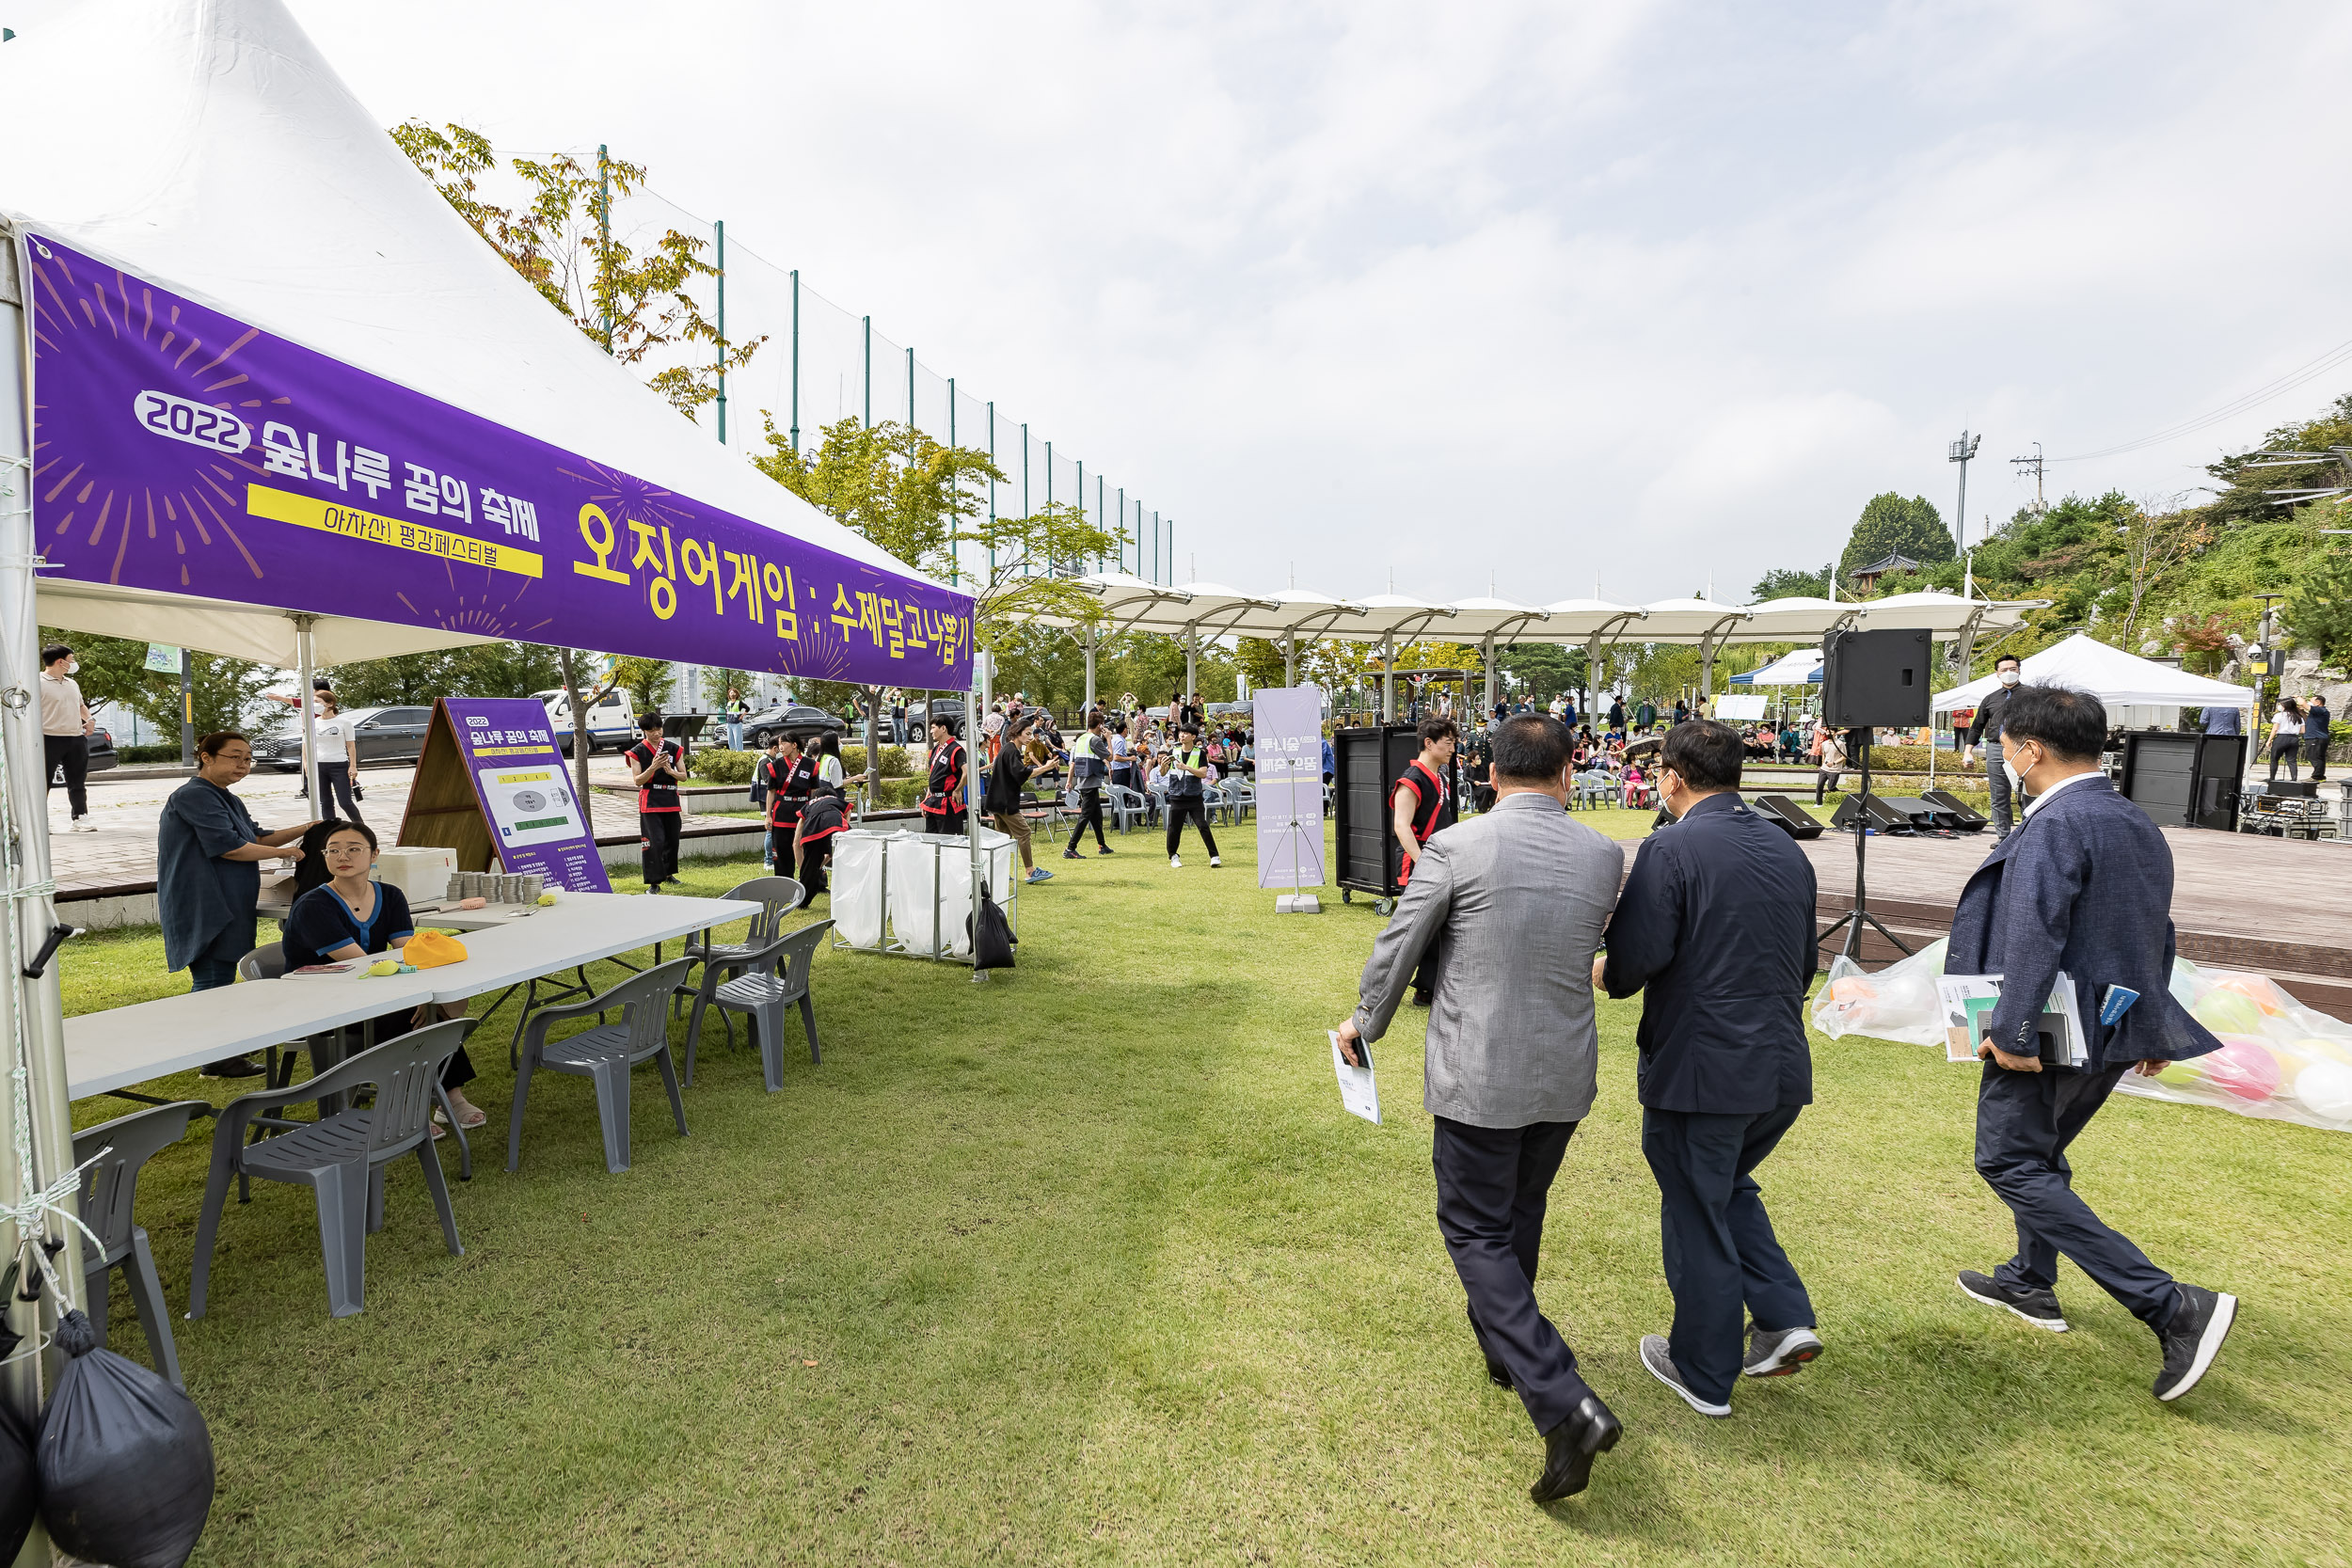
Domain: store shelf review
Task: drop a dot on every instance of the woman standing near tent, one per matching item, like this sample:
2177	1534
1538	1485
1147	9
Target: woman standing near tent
334	737
208	874
2286	736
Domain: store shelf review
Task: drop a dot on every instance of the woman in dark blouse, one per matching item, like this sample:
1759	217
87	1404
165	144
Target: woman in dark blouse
354	916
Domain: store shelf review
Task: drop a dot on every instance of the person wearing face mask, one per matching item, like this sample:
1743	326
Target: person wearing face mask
1715	927
1988	722
2084	888
65	727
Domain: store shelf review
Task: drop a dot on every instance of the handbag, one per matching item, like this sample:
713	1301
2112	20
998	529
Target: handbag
357	794
991	948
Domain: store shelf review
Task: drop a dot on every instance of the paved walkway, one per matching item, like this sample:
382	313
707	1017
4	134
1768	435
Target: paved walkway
125	804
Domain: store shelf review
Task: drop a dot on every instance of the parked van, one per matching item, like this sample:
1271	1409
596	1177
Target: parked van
611	724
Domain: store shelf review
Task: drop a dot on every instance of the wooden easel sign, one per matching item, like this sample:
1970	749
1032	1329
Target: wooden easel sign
492	788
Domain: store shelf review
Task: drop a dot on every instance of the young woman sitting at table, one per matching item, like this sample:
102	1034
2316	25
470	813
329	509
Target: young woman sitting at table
353	916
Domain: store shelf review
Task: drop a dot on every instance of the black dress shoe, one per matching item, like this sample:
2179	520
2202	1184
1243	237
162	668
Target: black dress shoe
1422	998
1570	1448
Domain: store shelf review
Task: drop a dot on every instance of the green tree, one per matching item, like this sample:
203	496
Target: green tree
2319	607
645	680
1889	525
717	682
227	691
634	305
1790	583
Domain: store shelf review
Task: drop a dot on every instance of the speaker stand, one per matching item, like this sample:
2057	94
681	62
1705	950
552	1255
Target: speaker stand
1852	920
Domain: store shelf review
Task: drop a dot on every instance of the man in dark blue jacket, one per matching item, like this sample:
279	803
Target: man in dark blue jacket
1717	921
2083	887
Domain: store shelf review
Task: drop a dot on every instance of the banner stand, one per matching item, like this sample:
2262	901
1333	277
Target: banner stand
1288	724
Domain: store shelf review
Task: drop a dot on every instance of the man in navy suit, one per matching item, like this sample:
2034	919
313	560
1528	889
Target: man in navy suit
1717	921
2084	886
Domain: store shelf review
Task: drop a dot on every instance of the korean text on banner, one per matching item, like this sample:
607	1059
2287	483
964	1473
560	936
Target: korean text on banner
527	800
1287	722
182	450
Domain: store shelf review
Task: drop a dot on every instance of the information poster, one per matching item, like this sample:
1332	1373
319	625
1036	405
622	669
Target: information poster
1287	722
536	822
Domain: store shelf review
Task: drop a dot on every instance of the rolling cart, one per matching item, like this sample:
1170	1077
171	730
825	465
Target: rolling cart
1366	763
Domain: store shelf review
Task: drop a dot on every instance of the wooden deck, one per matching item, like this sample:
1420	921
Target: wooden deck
2281	907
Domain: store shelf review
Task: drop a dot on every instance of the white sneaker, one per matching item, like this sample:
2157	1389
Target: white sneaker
1215	862
82	827
1175	864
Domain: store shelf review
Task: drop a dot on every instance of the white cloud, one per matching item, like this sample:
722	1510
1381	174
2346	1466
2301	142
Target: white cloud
1533	289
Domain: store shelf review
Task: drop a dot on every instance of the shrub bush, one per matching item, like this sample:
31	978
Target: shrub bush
720	766
148	754
894	761
897	794
1905	759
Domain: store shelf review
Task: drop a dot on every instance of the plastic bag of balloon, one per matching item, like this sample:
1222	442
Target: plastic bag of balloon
2277	1058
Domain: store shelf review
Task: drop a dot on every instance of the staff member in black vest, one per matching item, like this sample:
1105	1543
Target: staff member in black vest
1716	923
1089	766
1187	775
943	799
1990	715
826	816
795	780
1415	802
655	767
2316	719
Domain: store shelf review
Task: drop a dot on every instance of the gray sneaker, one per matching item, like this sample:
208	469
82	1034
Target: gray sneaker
1778	1352
1661	1362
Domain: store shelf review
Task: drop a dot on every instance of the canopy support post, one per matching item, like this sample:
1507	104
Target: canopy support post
32	1018
1092	640
1387	680
304	670
1289	659
1486	650
1708	647
1192	664
975	699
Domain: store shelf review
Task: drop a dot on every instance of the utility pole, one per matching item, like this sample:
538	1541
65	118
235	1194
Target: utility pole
2032	465
2271	665
1960	452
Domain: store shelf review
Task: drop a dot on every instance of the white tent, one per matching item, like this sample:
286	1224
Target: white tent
2124	681
1801	668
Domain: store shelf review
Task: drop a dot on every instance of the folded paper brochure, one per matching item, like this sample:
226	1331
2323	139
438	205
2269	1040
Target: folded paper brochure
1359	1094
1967	1002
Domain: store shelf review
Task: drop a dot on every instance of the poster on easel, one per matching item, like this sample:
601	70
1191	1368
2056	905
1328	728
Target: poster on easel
492	787
1287	725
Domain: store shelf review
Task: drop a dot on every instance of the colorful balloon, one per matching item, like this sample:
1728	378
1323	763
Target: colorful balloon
2243	1067
2326	1091
2228	1012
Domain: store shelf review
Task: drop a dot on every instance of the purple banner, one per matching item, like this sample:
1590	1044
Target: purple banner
526	795
180	450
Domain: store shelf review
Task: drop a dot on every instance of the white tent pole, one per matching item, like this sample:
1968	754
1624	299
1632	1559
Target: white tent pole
304	674
32	1020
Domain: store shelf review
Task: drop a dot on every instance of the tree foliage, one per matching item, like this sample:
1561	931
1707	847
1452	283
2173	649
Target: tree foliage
1890	525
1790	583
634	304
227	691
2320	608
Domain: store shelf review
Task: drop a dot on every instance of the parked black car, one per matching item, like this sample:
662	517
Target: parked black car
102	756
797	721
383	733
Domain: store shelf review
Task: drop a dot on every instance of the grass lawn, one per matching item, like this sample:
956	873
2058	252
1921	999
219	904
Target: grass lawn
1085	1264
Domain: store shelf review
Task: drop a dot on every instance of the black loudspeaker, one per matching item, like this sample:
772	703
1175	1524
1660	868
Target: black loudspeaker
1883	815
2303	789
1873	678
1785	815
1957	812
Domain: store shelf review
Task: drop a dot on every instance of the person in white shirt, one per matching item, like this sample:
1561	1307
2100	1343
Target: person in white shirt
65	727
332	734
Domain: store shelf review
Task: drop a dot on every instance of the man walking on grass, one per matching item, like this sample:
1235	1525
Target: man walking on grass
1511	903
2084	889
1716	925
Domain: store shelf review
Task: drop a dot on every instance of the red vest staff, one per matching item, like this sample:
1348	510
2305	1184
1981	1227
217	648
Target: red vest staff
1415	818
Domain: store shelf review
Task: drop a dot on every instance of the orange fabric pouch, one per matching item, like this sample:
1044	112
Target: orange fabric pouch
432	949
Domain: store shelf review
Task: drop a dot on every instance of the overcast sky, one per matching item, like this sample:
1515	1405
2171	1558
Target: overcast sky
1652	295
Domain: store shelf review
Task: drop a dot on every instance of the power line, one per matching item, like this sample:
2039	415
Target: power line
2229	410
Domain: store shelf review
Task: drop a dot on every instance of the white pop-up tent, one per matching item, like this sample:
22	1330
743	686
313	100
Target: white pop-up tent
2137	691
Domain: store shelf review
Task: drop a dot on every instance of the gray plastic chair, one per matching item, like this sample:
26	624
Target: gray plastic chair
1127	805
605	1053
341	1157
776	897
761	984
108	1190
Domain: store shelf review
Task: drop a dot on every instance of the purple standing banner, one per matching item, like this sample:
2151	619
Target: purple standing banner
526	792
182	450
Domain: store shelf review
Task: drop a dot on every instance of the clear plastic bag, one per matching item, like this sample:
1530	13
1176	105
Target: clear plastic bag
2279	1059
1896	1004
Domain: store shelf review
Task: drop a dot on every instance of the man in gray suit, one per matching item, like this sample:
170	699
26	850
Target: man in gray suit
1510	904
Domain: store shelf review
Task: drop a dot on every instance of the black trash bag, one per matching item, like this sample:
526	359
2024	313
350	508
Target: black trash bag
20	1486
992	948
126	1463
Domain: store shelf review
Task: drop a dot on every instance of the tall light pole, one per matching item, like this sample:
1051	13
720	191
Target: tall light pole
1960	452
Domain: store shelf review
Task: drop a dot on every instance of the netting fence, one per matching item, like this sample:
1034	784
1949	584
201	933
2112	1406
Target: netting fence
822	362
